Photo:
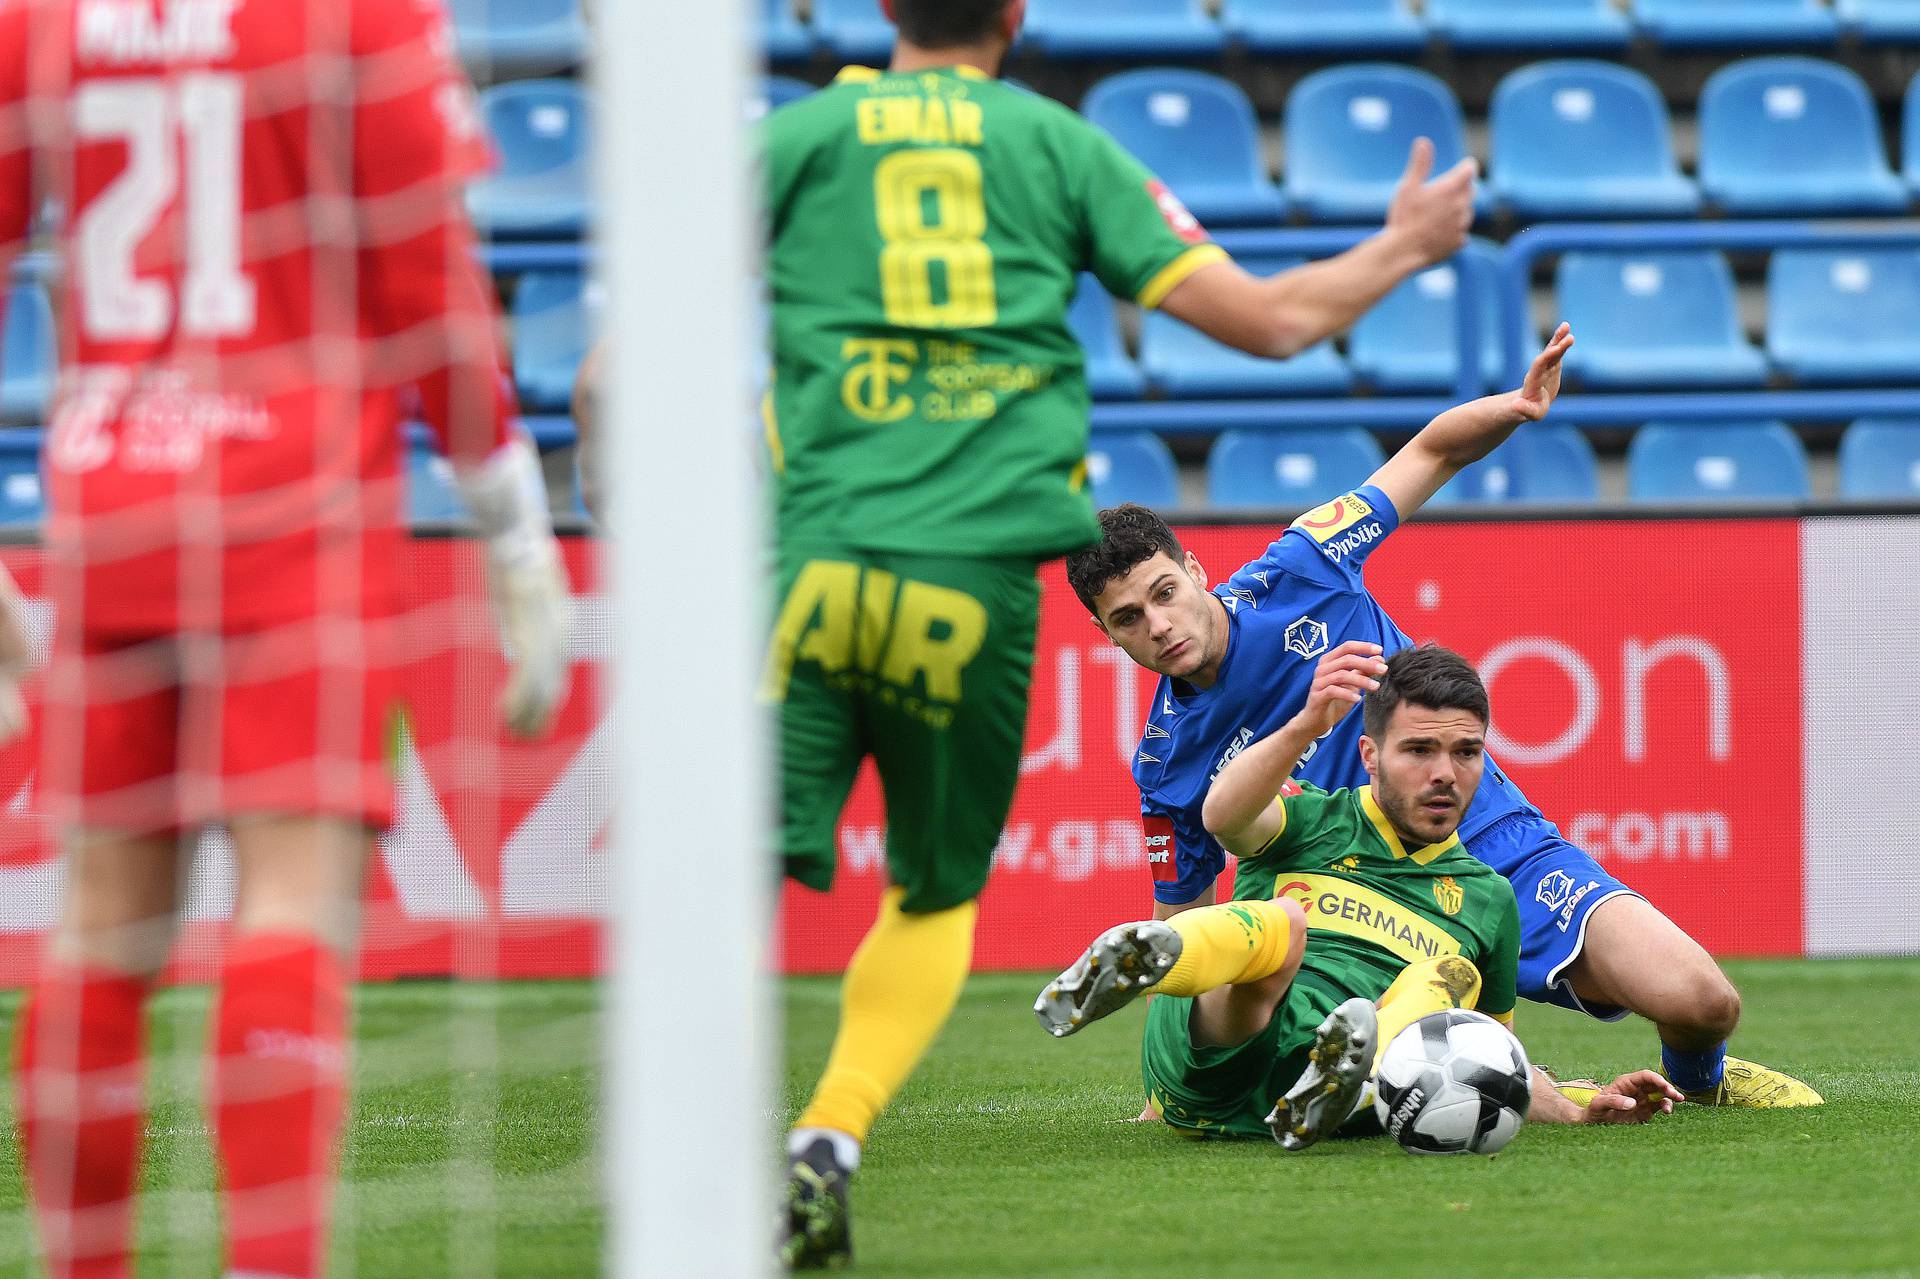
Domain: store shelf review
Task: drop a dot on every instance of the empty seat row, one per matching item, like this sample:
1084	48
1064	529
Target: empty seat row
857	30
1647	320
1665	319
1666	462
1570	139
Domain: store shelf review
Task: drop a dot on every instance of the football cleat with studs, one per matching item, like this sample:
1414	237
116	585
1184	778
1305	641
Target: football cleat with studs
1755	1087
1338	1066
1123	963
816	1232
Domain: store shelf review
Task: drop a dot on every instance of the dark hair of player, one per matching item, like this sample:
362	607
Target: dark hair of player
1130	534
943	24
1426	675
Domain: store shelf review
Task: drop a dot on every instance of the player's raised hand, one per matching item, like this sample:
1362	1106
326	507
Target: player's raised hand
1632	1099
1341	681
1433	215
1542	385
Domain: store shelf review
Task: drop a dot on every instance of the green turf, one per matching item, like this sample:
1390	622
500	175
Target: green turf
471	1149
1010	1153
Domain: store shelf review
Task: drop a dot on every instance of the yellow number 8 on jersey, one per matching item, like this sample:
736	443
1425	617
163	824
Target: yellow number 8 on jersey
946	183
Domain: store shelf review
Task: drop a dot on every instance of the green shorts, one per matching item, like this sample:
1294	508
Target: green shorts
923	662
1227	1092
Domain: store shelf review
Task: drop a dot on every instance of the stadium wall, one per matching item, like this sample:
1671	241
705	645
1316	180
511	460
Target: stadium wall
1721	709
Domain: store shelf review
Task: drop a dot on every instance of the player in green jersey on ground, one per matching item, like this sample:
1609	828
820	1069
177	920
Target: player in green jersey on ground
1267	1017
928	434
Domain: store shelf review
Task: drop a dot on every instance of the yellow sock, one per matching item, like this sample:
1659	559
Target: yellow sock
897	994
1227	944
1426	987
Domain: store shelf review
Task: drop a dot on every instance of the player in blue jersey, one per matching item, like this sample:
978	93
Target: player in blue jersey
1236	663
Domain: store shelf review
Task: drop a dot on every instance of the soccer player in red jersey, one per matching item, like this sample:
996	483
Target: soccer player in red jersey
257	205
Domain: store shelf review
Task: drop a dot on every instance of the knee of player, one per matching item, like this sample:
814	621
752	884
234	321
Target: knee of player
1296	931
1715	1004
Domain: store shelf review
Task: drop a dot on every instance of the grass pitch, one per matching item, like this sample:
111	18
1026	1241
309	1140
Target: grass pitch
472	1152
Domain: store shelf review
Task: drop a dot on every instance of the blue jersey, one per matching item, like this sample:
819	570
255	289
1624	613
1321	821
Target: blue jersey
1302	597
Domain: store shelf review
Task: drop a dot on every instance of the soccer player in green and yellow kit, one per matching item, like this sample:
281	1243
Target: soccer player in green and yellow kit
1355	914
928	433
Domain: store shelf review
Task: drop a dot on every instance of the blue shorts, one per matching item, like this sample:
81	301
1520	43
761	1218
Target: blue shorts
1557	884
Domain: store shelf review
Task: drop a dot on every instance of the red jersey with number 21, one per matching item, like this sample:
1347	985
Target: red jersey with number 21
261	241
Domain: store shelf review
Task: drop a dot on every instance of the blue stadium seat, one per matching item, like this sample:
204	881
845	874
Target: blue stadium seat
784	37
544	130
775	92
1790	136
1529	24
29	356
1491	480
1408	343
1554	463
1657	319
1121	29
1311	28
1581	138
555	316
1185	363
1910	127
518	36
1880	459
22	499
855	30
1292	469
1542	462
1721	24
1197	132
1880	21
1348	129
1132	466
1844	315
1690	462
432	494
1111	374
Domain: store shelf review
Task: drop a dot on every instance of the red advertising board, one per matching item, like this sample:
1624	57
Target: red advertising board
1645	679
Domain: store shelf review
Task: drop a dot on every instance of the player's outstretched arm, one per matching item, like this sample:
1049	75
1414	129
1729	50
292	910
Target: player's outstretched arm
1468	432
1282	315
1631	1099
1242	808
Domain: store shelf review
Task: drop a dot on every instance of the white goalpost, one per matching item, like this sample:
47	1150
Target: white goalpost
688	1156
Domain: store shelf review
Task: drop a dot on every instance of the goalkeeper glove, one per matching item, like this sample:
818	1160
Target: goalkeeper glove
14	659
525	581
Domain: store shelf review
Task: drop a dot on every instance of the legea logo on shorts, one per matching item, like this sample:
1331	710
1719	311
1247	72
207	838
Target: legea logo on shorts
1554	890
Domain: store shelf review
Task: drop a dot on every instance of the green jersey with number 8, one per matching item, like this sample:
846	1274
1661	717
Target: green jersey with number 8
928	230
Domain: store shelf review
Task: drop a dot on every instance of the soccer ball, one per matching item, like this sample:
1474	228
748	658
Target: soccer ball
1453	1083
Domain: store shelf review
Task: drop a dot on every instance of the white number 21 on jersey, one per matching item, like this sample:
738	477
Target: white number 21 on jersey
198	118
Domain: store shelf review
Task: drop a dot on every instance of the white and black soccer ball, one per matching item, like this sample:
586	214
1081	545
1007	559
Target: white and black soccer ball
1453	1083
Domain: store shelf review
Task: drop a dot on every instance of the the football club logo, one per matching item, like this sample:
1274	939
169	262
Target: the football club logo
1306	637
1554	890
1447	891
